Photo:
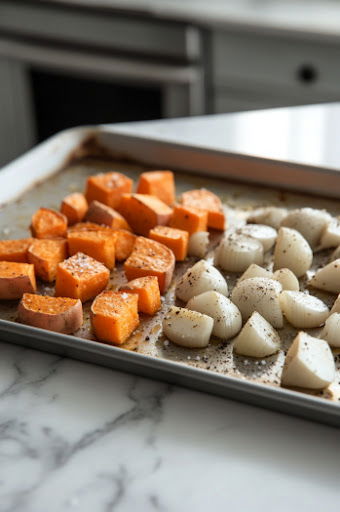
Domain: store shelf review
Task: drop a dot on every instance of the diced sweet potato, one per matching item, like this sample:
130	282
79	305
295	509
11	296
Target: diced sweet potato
207	201
45	255
98	244
88	226
143	212
150	258
176	239
15	250
114	316
74	207
124	244
16	279
81	277
59	314
47	223
189	219
158	183
107	188
100	213
147	289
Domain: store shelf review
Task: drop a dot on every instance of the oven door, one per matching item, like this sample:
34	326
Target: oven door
180	86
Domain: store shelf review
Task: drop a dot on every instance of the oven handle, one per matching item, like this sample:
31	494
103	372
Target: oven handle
80	62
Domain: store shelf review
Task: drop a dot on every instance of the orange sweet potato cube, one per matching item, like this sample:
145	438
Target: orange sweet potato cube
143	212
98	244
176	239
107	188
114	316
16	279
74	207
158	183
81	277
15	250
189	219
48	223
206	200
45	255
147	289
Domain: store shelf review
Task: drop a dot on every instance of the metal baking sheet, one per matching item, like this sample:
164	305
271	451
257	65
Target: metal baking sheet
214	369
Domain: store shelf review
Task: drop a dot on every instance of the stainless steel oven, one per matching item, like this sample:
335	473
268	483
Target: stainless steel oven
62	66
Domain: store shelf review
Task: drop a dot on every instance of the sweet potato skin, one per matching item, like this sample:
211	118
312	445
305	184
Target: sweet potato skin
150	258
158	183
107	188
66	315
114	316
45	255
74	207
16	279
100	213
48	223
15	250
143	212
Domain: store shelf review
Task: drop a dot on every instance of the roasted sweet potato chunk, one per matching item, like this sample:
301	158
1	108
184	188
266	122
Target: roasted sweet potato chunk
81	277
143	212
15	250
100	213
74	207
107	188
16	279
45	255
207	201
189	219
59	314
47	223
114	316
150	258
176	239
124	244
147	289
158	183
98	244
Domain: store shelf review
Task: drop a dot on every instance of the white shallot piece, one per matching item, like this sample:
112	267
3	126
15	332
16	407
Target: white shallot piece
259	294
257	338
236	252
331	330
198	244
328	277
336	305
287	279
309	363
331	235
302	310
227	317
292	251
264	234
256	271
269	215
187	328
200	278
310	222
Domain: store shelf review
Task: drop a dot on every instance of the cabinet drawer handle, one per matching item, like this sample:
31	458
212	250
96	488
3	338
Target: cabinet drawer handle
307	74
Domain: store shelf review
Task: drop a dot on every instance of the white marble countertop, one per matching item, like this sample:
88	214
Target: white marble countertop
306	18
76	437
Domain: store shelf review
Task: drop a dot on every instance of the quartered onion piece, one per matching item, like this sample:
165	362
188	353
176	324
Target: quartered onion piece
331	330
309	363
227	317
310	222
236	252
259	294
198	244
264	234
257	338
328	277
331	235
287	279
292	251
269	215
302	310
200	278
187	328
256	271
